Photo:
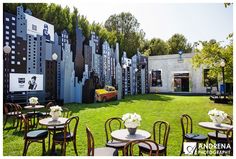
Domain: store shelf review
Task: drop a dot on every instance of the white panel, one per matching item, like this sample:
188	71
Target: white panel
26	82
36	27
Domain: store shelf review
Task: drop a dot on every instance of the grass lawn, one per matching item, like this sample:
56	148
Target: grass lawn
151	107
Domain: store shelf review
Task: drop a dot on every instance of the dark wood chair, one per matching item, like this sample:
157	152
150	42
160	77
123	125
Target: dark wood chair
33	136
230	140
187	133
161	131
11	111
110	125
103	151
221	135
46	113
152	147
67	135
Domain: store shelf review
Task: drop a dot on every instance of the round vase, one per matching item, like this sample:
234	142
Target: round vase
132	131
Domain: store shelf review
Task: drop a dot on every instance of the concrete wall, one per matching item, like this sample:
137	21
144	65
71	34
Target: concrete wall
170	64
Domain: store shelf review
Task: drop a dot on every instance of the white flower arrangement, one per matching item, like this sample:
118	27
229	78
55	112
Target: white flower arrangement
217	116
131	120
33	100
55	111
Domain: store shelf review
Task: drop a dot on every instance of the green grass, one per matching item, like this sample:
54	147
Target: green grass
151	108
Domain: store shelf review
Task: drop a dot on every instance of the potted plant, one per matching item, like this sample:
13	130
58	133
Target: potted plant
217	116
55	112
131	122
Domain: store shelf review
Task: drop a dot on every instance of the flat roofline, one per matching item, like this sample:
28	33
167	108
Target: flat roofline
171	56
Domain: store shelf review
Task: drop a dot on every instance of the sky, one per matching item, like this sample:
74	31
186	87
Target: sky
196	21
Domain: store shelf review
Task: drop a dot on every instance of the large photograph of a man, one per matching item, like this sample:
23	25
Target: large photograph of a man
32	83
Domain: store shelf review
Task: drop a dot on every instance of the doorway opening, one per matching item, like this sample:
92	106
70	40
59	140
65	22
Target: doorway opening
181	82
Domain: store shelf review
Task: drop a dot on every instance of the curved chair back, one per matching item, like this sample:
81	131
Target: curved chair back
66	112
161	131
112	124
229	120
8	107
90	142
186	124
230	139
50	104
71	126
129	147
26	124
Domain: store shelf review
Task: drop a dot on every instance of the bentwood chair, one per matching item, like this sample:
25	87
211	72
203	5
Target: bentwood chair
10	111
152	147
33	136
161	131
221	135
103	151
188	135
229	135
110	125
67	135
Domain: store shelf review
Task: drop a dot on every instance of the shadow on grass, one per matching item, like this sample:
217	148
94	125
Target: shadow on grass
76	107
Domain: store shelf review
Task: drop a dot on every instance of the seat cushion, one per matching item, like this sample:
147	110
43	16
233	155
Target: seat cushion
37	134
60	136
105	151
145	147
212	135
195	137
115	144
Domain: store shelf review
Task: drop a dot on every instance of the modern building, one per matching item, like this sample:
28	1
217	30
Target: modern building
175	73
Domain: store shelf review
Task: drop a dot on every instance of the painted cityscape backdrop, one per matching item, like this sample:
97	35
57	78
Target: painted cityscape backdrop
78	70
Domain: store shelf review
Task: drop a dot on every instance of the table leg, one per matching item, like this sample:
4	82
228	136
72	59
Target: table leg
53	152
217	154
34	118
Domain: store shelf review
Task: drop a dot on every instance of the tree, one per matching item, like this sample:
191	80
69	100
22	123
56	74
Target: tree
178	43
128	34
211	55
158	47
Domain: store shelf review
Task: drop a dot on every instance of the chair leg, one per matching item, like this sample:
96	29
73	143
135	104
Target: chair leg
5	122
43	147
49	139
64	149
25	147
74	142
140	152
181	151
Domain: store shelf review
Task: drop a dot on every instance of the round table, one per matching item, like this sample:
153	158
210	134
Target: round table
123	135
49	122
212	126
34	108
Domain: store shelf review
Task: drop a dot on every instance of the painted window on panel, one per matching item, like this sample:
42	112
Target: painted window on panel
156	78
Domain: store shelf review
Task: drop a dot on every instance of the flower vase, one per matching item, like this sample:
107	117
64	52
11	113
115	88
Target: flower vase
132	131
55	116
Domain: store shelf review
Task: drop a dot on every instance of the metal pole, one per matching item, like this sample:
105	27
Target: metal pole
223	74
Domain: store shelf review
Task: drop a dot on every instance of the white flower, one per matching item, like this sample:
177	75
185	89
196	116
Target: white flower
131	120
217	116
33	100
55	110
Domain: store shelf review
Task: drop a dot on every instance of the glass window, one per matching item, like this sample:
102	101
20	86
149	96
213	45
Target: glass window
12	57
156	78
13	51
7	37
13	18
13	47
7	19
13	41
7	27
12	62
13	31
13	23
13	36
24	58
7	32
18	63
12	70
